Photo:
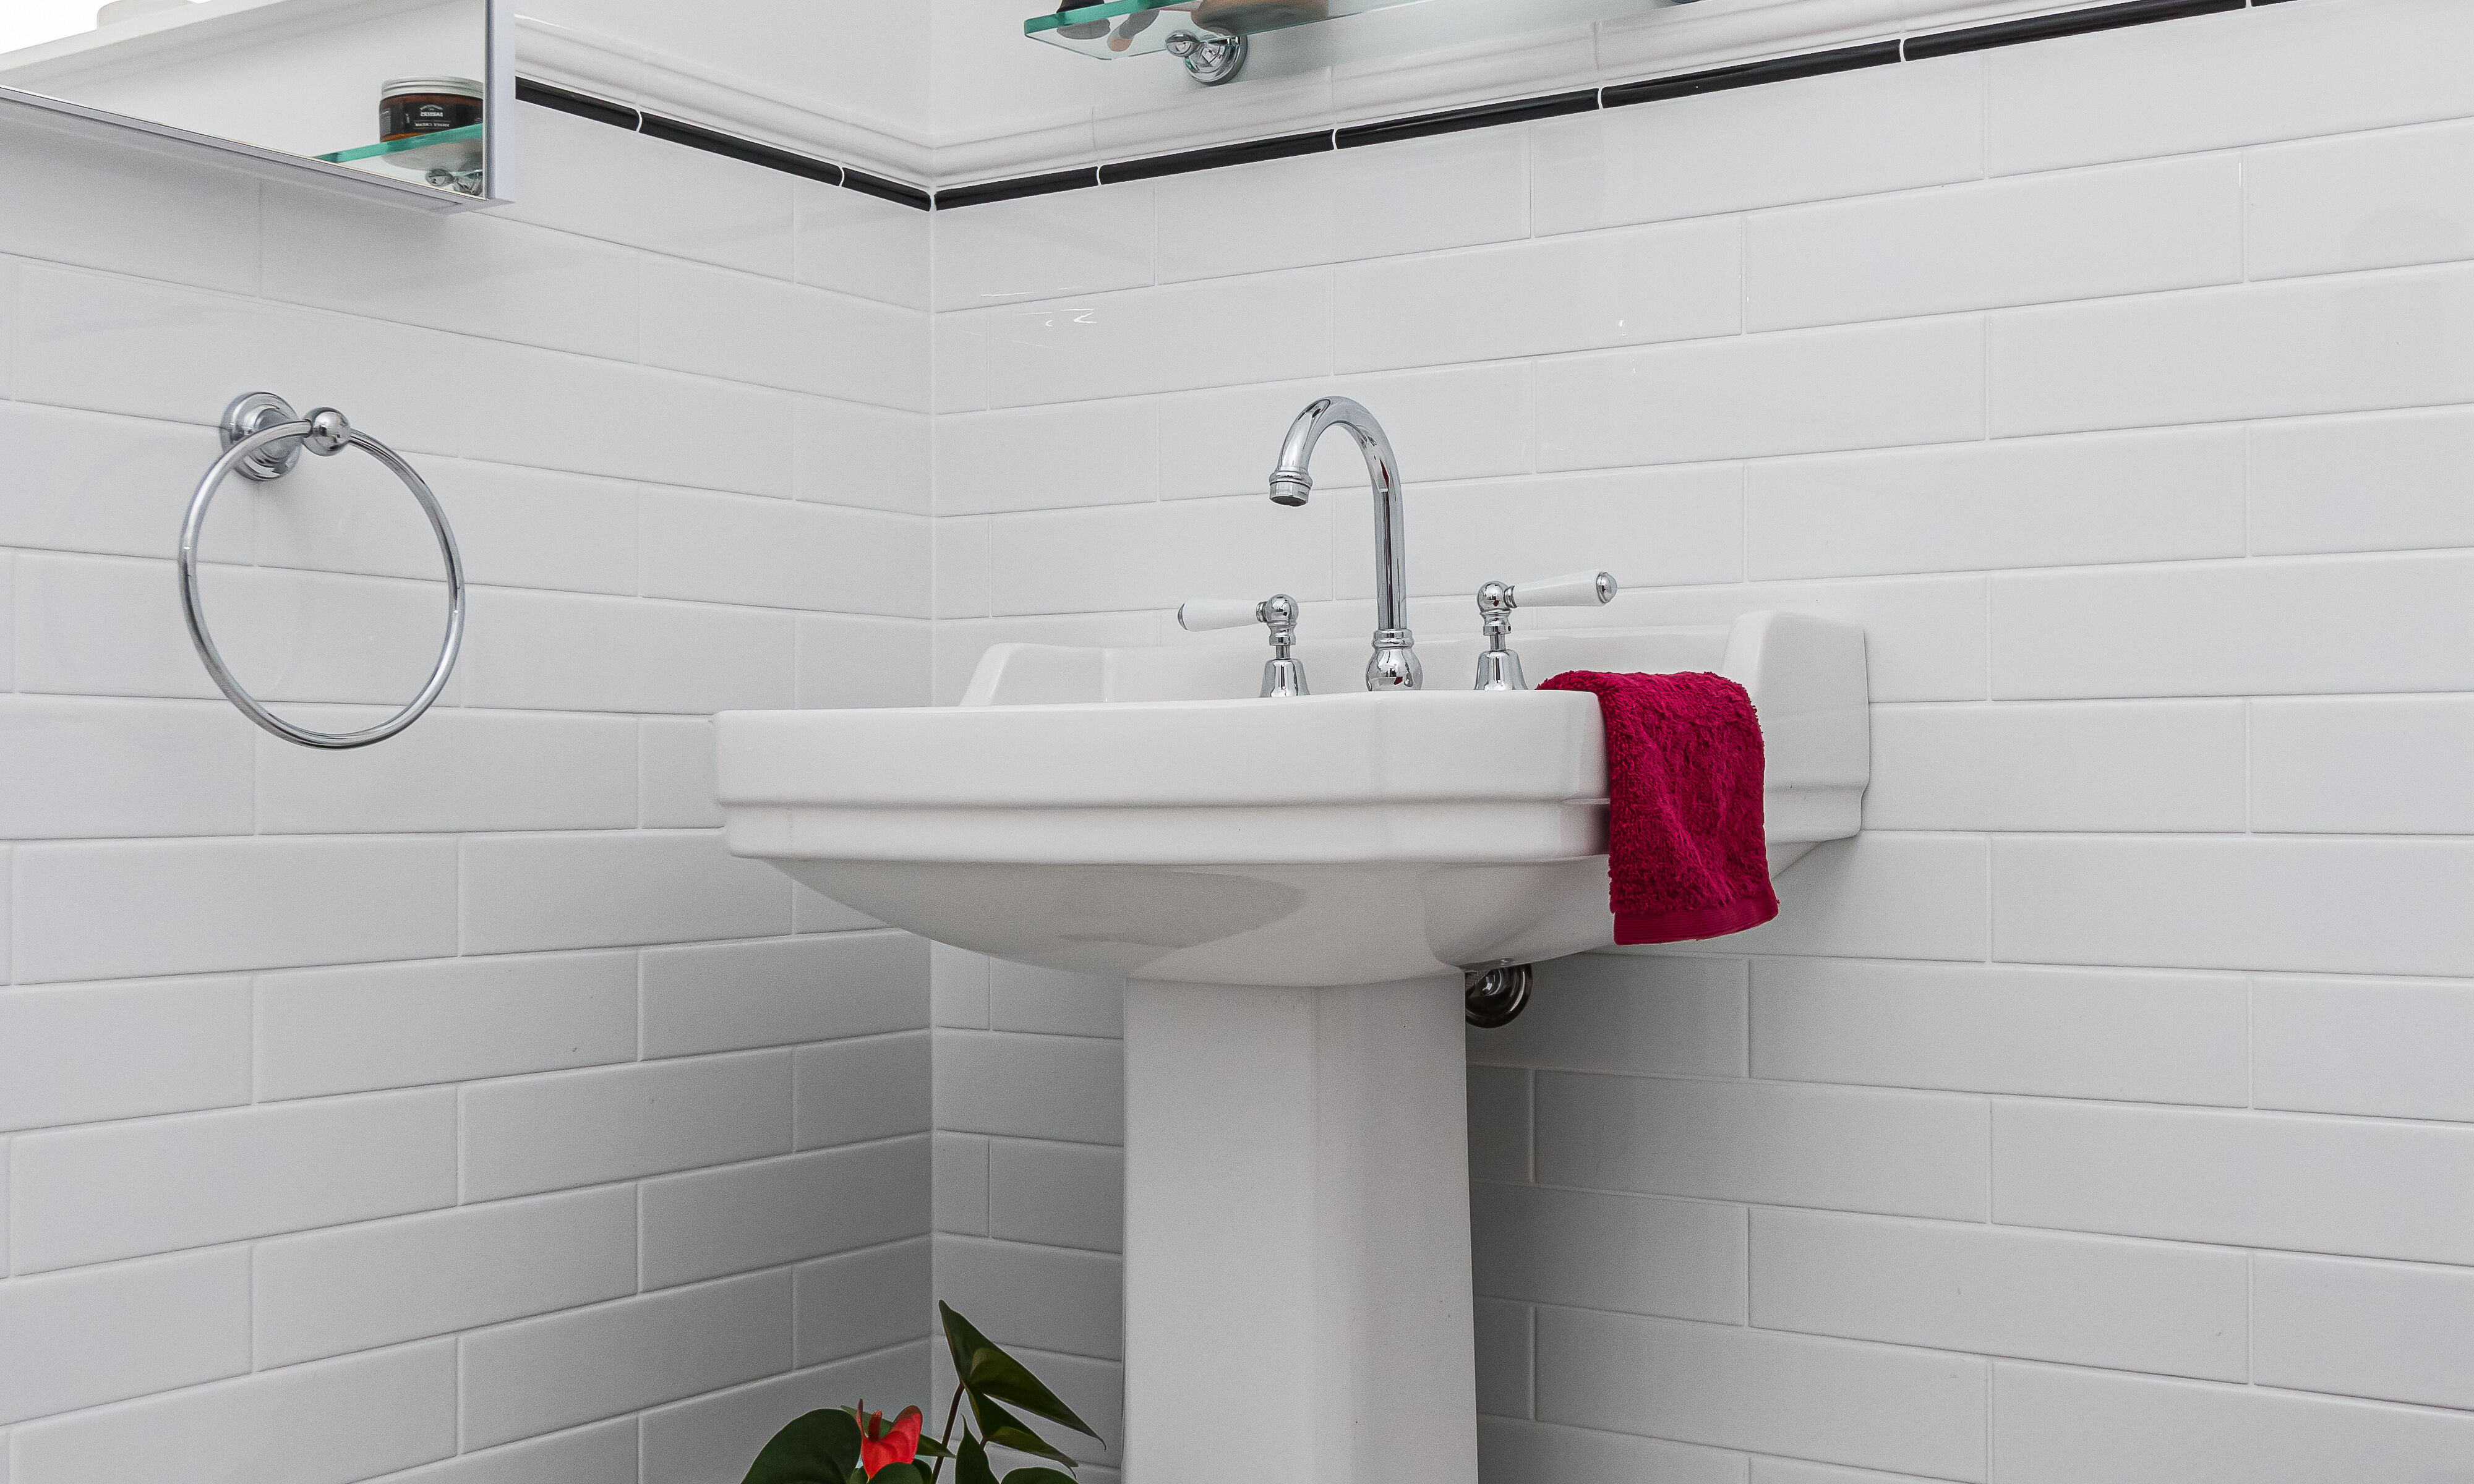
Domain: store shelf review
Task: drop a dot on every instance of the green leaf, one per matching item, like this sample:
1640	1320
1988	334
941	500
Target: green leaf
930	1448
986	1371
971	1465
821	1447
899	1474
1038	1476
1001	1428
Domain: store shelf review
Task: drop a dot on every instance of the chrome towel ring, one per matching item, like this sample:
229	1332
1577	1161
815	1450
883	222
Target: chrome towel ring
262	440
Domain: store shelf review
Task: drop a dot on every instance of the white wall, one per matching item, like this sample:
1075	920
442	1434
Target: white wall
2101	1114
459	1098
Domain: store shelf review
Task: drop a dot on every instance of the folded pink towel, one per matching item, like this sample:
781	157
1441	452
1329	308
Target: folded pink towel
1687	854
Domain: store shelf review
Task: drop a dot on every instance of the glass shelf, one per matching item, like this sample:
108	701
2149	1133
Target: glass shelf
446	147
1136	28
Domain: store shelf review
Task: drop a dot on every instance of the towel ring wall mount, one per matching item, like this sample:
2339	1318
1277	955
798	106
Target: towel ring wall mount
263	438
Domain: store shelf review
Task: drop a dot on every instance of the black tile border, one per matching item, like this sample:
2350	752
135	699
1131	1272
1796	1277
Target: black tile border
1516	110
1251	152
2069	23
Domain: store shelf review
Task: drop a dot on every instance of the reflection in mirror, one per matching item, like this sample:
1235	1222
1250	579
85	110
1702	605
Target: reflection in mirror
396	88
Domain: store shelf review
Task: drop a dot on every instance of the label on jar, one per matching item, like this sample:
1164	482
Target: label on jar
412	114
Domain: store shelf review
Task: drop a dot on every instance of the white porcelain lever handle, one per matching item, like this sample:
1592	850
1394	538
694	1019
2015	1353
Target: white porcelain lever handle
1195	614
1572	590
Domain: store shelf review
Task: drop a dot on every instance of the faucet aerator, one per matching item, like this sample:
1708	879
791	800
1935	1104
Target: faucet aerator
1291	491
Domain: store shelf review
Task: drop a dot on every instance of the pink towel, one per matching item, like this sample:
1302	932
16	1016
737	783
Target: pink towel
1687	857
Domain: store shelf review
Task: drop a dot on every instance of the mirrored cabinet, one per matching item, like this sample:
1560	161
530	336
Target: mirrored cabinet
389	98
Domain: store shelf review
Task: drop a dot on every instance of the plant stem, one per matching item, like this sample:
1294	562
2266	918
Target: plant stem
947	1441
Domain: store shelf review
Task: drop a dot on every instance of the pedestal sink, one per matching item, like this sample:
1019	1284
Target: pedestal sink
1294	888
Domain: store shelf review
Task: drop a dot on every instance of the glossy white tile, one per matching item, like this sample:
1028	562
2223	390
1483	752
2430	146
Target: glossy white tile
1925	637
364	1287
2088	234
1453	190
2257	628
1625	288
1054	1002
2138	766
1521	1453
854	243
2349	344
1882	895
727	548
1806	391
141	768
677	200
97	483
549	410
323	1031
747	327
2384	1048
2326	906
105	1334
139	212
1046	1298
848	453
1595	1012
469	273
1639	1254
1047	458
102	1051
862	1302
1878	1406
731	996
848	661
2374	482
1046	247
2358	201
1918	1154
1057	1196
457	770
1032	1086
558	651
1854	133
328	1424
708	1223
569	1129
2236	79
127	1189
2063	1426
1462	422
540	1374
2379	1330
2360	765
2015	503
527	892
2130	1036
121	909
1243	219
2154	1307
863	1088
2344	1185
153	350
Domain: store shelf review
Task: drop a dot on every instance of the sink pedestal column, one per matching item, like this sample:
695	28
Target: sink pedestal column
1298	1235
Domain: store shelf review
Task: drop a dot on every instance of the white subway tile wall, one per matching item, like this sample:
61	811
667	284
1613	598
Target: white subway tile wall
435	1106
2101	1114
459	1113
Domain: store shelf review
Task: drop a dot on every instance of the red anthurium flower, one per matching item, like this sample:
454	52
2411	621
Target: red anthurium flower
880	1445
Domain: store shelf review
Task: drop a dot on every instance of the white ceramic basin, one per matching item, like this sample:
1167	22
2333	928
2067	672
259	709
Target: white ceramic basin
1292	888
1109	810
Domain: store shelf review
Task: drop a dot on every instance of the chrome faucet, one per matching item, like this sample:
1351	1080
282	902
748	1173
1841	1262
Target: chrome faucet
1394	664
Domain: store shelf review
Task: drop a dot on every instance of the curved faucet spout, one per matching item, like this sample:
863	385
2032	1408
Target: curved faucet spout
1394	664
